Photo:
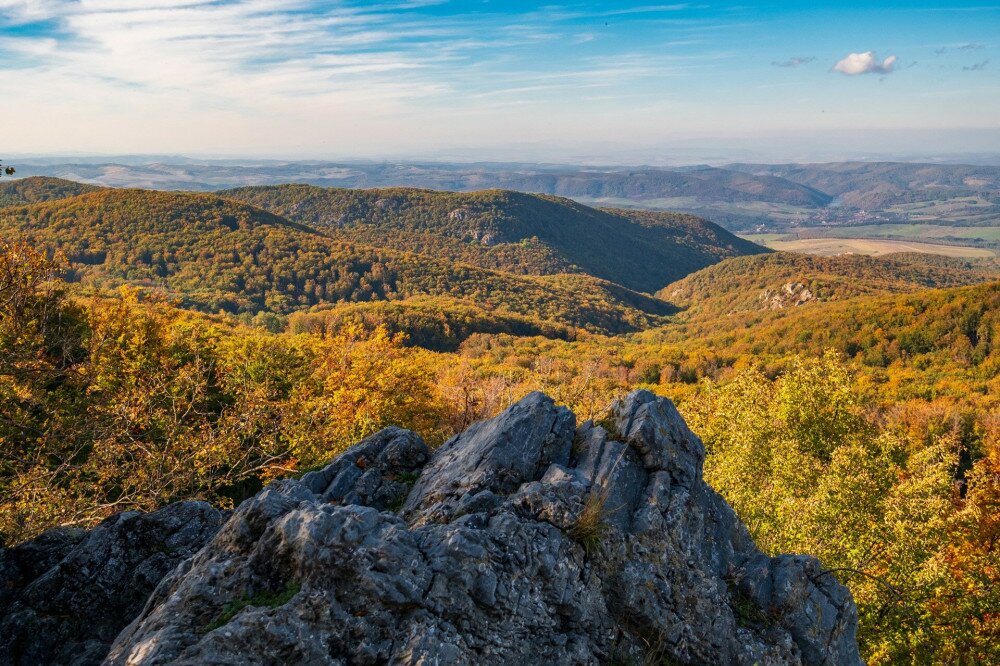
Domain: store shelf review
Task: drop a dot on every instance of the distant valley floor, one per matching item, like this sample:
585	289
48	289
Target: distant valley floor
869	246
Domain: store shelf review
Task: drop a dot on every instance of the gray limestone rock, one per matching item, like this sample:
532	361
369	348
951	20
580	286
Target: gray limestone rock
493	556
67	594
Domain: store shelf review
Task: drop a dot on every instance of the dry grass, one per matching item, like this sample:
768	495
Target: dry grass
590	527
873	247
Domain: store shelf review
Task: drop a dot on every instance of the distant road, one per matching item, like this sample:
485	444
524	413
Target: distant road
873	247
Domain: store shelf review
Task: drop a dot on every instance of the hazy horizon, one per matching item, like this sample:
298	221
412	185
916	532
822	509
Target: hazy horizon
711	152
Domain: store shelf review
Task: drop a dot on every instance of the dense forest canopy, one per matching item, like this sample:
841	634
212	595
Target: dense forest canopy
217	254
161	346
511	231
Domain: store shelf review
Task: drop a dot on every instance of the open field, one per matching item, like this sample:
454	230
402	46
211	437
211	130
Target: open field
966	210
874	247
909	232
785	214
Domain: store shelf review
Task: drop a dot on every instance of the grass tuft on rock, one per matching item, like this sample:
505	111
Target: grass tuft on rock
590	527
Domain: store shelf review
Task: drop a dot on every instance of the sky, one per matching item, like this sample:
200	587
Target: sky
599	82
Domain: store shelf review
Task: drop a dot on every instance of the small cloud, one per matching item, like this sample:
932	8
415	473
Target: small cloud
864	63
979	66
794	62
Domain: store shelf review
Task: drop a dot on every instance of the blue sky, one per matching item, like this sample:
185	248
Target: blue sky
598	81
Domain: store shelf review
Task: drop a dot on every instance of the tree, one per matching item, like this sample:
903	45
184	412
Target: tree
812	467
359	384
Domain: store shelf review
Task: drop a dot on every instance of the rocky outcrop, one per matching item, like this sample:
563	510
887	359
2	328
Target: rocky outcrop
525	540
790	295
67	594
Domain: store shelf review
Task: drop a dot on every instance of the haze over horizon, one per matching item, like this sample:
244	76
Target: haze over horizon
612	82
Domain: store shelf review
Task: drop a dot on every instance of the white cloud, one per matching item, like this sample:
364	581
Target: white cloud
864	63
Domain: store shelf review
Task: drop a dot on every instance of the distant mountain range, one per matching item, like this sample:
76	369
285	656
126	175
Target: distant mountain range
439	265
741	197
881	184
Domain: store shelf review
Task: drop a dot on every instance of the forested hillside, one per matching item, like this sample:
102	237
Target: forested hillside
786	280
40	188
510	231
216	254
859	427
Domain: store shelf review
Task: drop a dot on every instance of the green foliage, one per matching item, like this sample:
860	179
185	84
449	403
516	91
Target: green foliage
808	470
263	599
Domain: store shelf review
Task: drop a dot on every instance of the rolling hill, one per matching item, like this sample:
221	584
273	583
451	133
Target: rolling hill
939	338
786	280
510	231
874	185
36	189
218	254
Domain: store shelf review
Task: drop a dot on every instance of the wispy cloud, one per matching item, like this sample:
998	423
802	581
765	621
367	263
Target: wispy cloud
200	45
864	63
378	76
969	46
794	62
976	67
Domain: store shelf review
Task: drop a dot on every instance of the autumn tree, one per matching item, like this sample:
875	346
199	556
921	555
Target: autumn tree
811	468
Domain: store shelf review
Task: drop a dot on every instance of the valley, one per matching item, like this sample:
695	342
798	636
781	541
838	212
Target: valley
170	345
937	204
476	333
856	242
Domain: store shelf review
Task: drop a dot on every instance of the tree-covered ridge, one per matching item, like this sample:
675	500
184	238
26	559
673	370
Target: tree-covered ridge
887	466
36	189
923	345
511	231
783	280
217	254
439	323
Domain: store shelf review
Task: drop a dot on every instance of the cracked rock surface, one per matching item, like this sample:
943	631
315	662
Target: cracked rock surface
65	595
487	551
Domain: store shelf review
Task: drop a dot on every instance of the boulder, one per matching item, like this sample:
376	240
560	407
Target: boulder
523	540
67	594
